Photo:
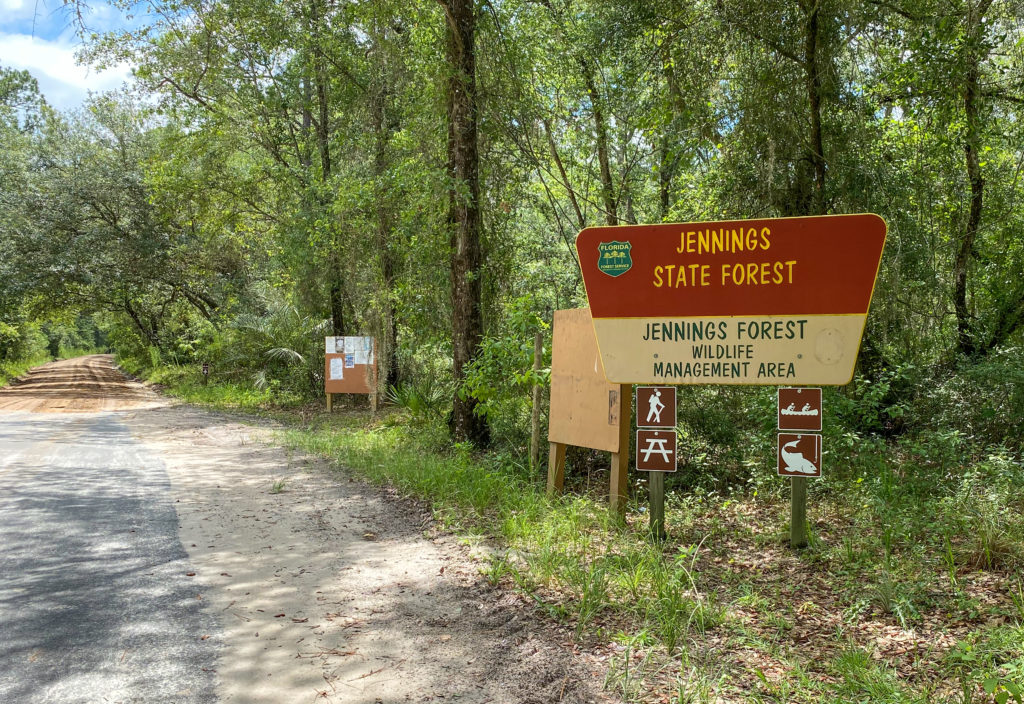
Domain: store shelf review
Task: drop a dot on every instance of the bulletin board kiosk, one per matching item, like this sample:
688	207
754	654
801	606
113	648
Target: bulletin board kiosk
350	367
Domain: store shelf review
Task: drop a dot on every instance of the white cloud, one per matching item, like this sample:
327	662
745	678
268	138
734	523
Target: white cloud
64	82
11	5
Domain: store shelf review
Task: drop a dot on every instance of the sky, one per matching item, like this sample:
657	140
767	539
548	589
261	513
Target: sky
39	36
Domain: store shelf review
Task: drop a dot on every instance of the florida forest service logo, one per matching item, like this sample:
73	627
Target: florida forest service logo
614	258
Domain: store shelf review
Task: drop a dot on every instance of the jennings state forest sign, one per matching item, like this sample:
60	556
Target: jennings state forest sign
777	302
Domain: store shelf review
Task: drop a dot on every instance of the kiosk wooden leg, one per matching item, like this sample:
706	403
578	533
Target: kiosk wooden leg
330	401
556	468
618	488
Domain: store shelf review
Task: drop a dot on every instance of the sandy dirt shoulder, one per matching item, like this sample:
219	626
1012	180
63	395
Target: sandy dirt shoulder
330	590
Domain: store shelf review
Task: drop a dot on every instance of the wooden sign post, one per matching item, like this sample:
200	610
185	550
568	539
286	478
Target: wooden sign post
761	302
799	456
656	419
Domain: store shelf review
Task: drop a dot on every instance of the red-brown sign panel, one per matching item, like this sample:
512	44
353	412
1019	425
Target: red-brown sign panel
776	301
800	409
656	450
799	455
655	407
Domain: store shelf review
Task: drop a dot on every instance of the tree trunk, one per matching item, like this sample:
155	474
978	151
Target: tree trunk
813	79
337	297
966	338
384	230
603	160
464	213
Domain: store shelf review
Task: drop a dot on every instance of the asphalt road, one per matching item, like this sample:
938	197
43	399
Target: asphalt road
95	601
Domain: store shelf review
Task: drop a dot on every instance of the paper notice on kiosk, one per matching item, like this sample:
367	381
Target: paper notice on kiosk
338	368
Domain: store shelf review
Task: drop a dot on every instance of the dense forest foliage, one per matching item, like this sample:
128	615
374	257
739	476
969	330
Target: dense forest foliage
418	171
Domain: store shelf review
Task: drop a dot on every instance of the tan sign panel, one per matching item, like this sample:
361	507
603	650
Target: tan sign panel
584	406
656	450
800	409
772	301
799	455
656	406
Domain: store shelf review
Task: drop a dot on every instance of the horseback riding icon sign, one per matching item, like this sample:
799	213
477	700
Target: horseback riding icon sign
799	455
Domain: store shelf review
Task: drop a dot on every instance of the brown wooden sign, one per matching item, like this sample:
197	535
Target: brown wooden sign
800	409
655	407
771	301
656	450
799	455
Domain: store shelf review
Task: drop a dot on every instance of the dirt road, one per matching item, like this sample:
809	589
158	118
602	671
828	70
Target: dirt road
301	584
82	384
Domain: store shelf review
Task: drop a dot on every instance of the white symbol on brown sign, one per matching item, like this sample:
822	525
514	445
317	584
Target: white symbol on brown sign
655	407
656	450
799	455
799	409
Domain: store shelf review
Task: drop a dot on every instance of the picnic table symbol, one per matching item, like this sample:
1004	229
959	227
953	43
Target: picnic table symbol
657	446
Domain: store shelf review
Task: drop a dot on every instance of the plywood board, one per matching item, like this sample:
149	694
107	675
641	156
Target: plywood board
584	406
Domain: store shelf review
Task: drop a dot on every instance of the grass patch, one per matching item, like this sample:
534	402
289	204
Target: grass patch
12	369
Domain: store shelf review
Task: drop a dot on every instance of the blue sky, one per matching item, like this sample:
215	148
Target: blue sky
39	36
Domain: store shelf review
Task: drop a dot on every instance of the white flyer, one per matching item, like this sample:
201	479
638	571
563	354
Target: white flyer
329	346
338	368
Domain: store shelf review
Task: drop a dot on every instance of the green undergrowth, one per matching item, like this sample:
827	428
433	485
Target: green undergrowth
187	383
603	577
12	369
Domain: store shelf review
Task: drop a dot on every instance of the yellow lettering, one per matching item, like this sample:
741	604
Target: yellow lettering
657	277
737	240
751	239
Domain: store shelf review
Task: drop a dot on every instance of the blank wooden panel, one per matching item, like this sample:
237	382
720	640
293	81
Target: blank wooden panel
584	406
